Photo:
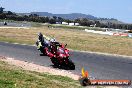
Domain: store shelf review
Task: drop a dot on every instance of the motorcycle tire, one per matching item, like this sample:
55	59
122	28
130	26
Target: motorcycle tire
71	65
55	62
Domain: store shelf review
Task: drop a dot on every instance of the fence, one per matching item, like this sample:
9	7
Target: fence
110	33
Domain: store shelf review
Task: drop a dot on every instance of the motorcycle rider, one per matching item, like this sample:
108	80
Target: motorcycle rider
40	37
43	41
40	40
46	42
50	43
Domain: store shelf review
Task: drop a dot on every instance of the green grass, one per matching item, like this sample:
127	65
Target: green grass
10	40
36	24
14	77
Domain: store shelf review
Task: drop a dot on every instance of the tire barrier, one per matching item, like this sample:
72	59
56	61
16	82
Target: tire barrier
124	34
116	34
120	34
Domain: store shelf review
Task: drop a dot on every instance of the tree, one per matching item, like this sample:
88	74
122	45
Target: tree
33	15
98	24
77	20
1	10
46	19
2	16
68	21
60	19
55	18
52	21
9	13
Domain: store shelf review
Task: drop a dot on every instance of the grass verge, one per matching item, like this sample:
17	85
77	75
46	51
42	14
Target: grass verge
76	39
14	77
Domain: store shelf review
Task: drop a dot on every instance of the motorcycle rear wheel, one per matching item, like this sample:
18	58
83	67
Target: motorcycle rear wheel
71	65
55	62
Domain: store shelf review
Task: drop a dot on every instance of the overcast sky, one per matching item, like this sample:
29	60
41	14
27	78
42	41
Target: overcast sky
119	9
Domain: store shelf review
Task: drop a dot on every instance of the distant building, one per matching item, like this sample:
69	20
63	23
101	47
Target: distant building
77	24
58	23
74	24
65	23
1	9
71	24
93	25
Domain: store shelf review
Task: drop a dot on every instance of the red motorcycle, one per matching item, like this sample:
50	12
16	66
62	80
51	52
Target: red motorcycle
59	56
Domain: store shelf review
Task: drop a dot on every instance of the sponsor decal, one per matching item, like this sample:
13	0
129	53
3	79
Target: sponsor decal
86	81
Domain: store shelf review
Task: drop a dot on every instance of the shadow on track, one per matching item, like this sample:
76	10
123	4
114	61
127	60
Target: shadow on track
62	67
42	55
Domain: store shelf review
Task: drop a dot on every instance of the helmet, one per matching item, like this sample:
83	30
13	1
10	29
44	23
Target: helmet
40	34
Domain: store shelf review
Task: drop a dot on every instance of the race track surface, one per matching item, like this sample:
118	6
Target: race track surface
15	24
98	66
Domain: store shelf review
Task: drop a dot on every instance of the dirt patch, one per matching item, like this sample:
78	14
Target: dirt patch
38	68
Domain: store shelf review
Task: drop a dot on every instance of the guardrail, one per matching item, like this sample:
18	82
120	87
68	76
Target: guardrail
99	32
110	33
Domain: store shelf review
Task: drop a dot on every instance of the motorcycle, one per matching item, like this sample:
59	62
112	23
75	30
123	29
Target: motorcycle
60	56
57	52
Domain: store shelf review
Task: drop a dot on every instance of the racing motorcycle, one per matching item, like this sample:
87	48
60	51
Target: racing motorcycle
57	52
59	56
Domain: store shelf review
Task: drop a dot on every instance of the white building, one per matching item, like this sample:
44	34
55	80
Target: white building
71	24
77	24
58	22
65	23
74	24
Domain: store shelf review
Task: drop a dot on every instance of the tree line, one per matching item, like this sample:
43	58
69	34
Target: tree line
87	22
8	15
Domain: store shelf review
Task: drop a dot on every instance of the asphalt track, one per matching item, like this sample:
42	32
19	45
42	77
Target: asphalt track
98	66
15	24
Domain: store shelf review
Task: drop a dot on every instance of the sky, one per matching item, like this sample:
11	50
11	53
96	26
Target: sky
119	9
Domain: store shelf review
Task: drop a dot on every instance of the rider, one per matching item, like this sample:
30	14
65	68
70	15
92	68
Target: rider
44	40
50	43
40	40
40	37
